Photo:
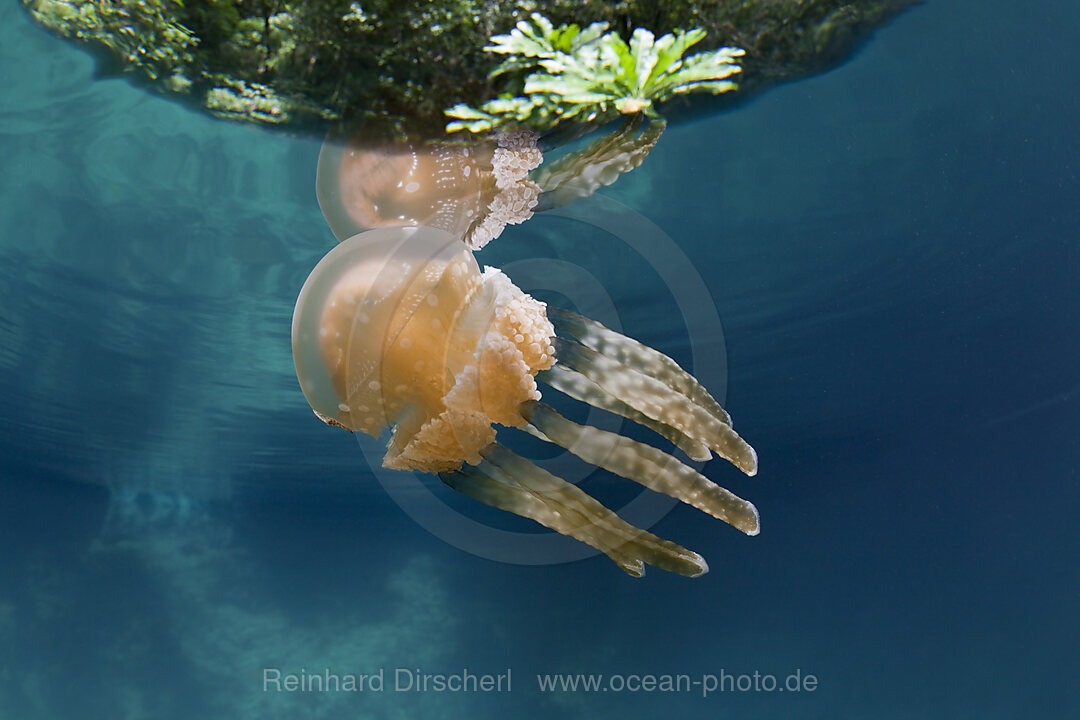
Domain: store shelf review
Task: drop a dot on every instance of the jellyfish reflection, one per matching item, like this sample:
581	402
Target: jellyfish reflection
473	190
398	327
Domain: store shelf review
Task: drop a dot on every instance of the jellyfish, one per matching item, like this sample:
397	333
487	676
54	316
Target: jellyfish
399	328
473	190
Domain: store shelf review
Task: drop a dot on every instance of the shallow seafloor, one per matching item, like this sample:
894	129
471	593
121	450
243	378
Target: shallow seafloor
891	248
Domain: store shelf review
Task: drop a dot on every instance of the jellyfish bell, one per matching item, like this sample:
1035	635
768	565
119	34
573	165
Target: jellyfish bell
470	189
399	328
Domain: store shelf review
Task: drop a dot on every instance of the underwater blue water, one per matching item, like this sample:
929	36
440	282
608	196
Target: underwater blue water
891	248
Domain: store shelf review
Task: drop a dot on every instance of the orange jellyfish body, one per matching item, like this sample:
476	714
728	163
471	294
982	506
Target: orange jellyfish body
399	328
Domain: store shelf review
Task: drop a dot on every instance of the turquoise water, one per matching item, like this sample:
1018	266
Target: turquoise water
891	249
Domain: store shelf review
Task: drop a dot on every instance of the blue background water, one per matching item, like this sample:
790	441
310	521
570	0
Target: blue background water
892	249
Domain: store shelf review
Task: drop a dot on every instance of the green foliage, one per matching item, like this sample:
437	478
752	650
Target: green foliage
592	75
145	34
527	44
394	65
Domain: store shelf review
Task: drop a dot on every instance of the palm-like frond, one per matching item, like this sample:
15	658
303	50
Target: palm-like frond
531	41
589	74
